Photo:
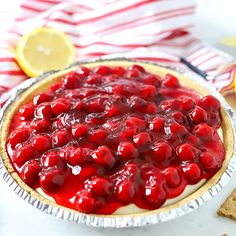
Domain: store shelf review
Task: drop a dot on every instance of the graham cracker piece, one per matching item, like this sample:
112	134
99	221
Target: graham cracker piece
228	208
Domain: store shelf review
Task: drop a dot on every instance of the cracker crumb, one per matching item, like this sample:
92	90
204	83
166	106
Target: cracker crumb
228	208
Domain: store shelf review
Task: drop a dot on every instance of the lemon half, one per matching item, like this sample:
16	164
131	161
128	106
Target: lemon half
44	49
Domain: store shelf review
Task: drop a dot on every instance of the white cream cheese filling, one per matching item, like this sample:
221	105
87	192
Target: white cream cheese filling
132	208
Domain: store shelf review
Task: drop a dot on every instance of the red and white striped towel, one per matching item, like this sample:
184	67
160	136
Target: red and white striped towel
148	30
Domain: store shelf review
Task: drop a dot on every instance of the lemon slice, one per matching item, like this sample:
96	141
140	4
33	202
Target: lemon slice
44	49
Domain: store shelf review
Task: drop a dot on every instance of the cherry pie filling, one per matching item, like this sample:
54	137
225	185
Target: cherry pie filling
106	137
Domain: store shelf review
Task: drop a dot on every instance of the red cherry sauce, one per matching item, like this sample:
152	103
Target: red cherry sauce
107	137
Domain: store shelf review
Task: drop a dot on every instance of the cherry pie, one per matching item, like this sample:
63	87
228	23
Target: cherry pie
105	135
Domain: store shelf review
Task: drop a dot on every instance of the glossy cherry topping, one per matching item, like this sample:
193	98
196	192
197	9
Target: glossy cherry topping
106	137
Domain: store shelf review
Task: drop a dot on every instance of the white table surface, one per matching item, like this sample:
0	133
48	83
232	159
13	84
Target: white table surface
18	218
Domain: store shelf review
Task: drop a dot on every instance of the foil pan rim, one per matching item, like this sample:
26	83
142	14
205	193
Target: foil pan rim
129	220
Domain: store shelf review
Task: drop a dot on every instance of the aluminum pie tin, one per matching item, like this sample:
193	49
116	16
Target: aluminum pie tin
172	211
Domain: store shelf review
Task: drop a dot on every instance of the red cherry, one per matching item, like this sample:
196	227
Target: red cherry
87	92
55	87
214	119
136	67
148	91
137	104
131	169
118	89
41	143
110	78
78	157
30	173
125	191
102	70
71	80
60	138
142	139
82	70
166	105
79	105
103	156
52	159
192	172
128	133
150	174
72	94
95	119
66	151
26	111
170	105
157	124
209	162
59	124
204	132
152	79
155	196
51	180
162	151
85	202
88	171
198	115
172	177
44	110
118	70
99	186
98	136
127	151
186	152
170	81
133	73
60	106
24	154
179	117
151	108
114	110
18	136
210	103
41	126
42	97
96	105
175	130
188	104
94	79
79	130
132	122
194	140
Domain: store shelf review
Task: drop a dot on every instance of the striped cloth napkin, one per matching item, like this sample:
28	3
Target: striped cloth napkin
145	30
